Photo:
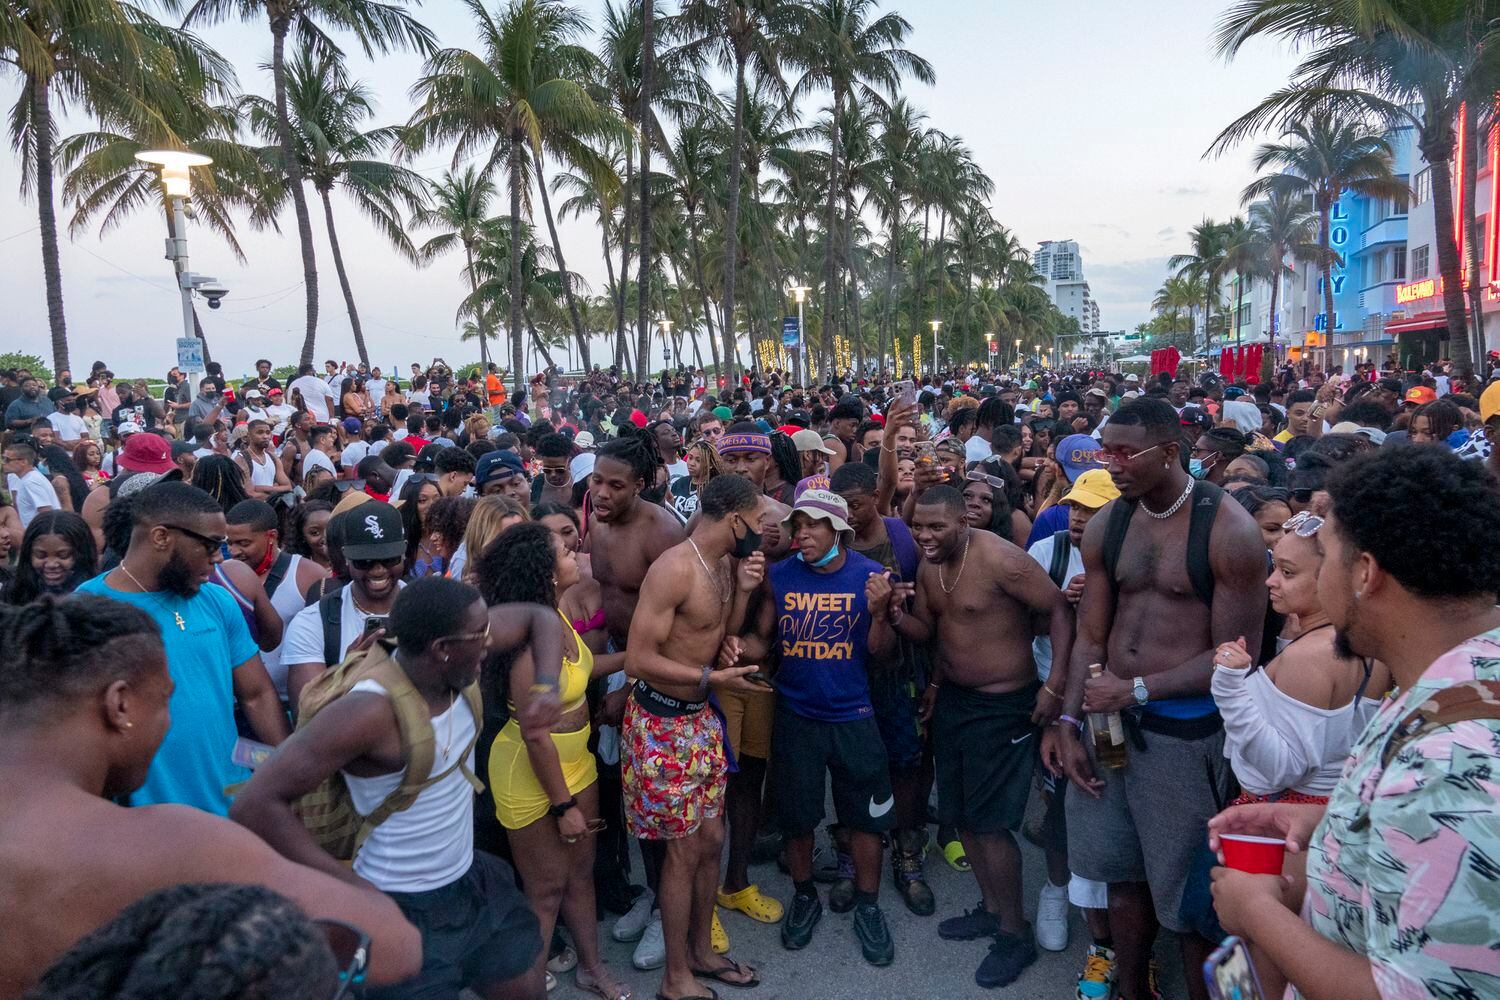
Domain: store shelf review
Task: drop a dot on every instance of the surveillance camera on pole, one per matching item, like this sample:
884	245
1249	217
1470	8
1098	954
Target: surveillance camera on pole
210	289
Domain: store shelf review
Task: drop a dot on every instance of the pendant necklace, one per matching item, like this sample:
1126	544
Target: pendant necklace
176	616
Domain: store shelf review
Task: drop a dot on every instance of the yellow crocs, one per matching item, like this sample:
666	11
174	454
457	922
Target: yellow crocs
752	904
718	939
954	854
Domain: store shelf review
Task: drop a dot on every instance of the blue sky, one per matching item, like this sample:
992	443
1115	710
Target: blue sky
1091	116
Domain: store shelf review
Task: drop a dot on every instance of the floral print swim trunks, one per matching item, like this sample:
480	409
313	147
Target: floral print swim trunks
673	770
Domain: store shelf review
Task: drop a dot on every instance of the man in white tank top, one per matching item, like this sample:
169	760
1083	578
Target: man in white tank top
264	476
254	537
478	932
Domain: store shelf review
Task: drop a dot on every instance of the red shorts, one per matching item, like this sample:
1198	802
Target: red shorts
1290	797
673	771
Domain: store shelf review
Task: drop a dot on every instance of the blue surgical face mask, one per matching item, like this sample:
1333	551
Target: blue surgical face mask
1198	470
832	554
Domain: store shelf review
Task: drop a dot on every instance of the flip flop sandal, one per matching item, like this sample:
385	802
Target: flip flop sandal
735	968
957	858
586	983
696	996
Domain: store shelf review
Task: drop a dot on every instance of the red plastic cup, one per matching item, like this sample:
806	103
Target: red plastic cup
1256	855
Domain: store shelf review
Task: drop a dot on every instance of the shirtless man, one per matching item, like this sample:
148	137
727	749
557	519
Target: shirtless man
745	451
82	714
976	591
1143	617
264	475
625	536
673	746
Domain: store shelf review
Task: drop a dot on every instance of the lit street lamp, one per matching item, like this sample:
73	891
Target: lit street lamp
177	181
666	344
936	325
799	292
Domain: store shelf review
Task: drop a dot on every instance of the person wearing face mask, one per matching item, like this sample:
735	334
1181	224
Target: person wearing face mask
825	620
1213	452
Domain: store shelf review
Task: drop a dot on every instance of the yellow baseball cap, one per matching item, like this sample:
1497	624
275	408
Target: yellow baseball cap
1489	403
1093	490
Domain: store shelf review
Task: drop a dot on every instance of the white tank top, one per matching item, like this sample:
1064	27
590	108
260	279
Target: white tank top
261	473
287	601
430	844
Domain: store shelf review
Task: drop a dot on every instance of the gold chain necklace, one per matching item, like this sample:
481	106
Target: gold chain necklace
718	586
961	564
448	738
176	616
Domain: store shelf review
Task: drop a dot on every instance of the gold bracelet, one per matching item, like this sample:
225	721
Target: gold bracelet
1053	693
540	688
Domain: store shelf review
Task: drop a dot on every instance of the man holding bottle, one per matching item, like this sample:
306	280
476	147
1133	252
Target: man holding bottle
1172	573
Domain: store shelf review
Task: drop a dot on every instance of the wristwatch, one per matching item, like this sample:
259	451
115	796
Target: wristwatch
1141	695
557	811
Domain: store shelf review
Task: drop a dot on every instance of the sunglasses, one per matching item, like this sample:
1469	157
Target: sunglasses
994	482
369	564
1303	525
1120	456
210	543
351	954
482	634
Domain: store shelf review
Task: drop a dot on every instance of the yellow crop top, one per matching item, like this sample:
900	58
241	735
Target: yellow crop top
573	680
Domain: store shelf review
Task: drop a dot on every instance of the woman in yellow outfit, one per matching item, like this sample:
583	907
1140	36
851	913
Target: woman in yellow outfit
544	782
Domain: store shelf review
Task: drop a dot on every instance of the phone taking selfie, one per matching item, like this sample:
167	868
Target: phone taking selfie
925	452
1229	974
906	392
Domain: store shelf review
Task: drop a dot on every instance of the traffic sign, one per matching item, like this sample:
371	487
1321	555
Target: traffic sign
190	354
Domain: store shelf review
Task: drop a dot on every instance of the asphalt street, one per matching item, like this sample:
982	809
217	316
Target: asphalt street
832	968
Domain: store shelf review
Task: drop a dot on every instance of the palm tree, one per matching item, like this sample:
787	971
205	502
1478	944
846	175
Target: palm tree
523	84
460	206
1243	259
1321	159
377	25
737	35
1206	262
327	109
1409	63
900	131
1285	227
105	181
118	63
855	57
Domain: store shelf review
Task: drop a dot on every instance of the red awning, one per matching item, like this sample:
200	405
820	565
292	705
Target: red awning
1422	321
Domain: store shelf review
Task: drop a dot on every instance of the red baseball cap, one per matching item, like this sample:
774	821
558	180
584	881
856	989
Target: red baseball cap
1421	395
146	453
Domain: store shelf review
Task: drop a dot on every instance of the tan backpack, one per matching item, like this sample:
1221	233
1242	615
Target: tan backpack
328	811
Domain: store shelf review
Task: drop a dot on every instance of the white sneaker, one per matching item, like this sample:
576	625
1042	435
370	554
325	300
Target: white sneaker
651	952
632	923
1052	918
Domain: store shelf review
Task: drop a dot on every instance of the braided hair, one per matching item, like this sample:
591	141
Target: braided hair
788	460
220	477
198	942
60	649
637	449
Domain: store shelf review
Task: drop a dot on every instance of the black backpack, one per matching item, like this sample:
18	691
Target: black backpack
1062	549
1205	501
278	571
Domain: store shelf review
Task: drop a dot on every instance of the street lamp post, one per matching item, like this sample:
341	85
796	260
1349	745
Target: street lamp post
799	292
936	325
666	345
1018	354
177	181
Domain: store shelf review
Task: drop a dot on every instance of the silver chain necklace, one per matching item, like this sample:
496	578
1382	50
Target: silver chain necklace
715	577
1187	492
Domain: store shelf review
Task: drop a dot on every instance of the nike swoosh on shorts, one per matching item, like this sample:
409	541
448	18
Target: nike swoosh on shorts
879	809
1018	739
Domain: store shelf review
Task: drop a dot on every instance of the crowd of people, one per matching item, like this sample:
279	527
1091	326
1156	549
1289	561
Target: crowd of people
427	673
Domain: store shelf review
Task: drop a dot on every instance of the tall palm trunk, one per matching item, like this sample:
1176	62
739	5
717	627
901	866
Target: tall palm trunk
1442	217
830	261
1276	269
708	314
41	120
517	353
1472	233
920	290
480	319
338	265
293	170
537	345
562	265
968	311
886	333
620	339
609	263
1326	201
643	279
686	322
732	220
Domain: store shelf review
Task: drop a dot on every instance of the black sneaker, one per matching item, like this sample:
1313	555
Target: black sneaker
976	923
767	848
801	917
1008	958
874	936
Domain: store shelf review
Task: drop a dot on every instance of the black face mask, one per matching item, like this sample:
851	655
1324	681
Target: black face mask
748	544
